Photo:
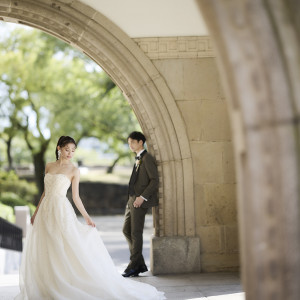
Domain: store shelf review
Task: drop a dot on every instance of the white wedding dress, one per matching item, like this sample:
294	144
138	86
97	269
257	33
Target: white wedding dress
65	259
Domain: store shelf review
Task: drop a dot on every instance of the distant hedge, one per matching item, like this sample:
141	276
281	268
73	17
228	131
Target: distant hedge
15	192
7	213
10	182
11	199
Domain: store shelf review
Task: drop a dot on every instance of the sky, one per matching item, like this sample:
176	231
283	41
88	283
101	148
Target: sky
6	28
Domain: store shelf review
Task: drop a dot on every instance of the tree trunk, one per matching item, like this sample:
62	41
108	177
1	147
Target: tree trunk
8	153
110	169
39	169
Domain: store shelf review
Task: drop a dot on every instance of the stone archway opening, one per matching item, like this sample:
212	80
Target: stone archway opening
151	100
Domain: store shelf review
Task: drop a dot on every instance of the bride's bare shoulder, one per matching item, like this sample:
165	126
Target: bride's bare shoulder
75	171
49	165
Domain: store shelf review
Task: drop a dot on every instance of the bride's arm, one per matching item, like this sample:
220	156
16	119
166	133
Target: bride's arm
37	208
42	197
77	200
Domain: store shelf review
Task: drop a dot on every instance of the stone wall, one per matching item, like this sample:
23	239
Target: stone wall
189	68
102	198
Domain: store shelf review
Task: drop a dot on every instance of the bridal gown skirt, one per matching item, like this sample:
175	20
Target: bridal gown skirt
65	259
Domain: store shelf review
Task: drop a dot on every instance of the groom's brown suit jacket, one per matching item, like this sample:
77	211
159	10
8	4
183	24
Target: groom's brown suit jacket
145	180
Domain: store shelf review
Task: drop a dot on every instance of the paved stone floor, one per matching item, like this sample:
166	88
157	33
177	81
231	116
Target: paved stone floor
209	286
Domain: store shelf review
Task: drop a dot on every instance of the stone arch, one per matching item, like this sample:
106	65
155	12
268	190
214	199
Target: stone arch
95	35
258	48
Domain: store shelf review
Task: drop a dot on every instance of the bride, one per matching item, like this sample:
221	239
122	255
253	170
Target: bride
63	258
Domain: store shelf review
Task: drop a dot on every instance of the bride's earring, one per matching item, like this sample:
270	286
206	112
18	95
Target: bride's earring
58	153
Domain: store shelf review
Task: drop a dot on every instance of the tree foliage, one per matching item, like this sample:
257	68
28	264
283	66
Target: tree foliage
49	89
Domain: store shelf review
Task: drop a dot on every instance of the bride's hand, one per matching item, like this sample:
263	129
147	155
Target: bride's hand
90	222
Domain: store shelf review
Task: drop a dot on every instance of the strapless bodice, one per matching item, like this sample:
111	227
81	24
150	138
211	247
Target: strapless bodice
56	184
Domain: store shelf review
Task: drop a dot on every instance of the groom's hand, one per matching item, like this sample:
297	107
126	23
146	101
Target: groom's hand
138	202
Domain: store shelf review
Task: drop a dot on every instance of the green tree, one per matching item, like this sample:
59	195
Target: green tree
50	89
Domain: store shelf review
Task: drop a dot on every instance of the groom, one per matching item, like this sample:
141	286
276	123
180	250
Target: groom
142	194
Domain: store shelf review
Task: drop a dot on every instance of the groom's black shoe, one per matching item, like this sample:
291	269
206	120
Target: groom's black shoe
130	273
135	272
142	269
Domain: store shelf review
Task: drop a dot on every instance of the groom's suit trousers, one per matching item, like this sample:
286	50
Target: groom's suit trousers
133	231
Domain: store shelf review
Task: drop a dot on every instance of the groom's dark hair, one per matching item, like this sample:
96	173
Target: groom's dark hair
136	135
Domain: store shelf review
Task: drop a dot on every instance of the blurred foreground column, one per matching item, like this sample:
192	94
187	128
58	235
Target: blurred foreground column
22	218
258	52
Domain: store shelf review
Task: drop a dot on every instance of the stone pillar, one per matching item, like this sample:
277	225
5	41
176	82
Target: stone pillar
258	47
173	255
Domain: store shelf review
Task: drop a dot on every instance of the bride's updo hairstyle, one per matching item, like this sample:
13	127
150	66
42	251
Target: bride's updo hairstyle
63	141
